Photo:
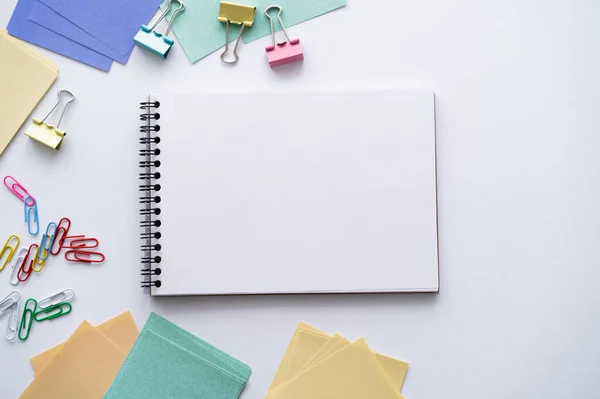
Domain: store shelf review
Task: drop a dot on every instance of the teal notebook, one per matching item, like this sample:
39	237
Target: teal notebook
169	362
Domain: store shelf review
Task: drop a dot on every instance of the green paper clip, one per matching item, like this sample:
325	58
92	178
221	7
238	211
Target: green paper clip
26	325
54	311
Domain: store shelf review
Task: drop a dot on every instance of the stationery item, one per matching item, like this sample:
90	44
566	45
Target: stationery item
113	22
283	52
237	14
84	367
155	42
27	319
47	241
31	216
64	296
80	256
13	319
17	189
27	75
121	330
327	192
200	35
167	361
6	303
62	231
43	15
16	266
9	249
52	312
48	134
79	241
26	266
21	27
351	373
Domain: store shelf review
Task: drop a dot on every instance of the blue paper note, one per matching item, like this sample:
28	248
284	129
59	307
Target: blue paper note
50	19
27	30
113	22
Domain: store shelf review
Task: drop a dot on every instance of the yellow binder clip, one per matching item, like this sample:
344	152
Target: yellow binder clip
237	14
46	133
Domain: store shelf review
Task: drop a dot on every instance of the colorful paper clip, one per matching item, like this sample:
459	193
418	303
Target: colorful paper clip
14	280
149	39
10	248
13	321
53	312
27	319
17	189
6	303
47	241
79	256
64	296
45	133
283	52
24	272
237	14
79	242
61	233
31	216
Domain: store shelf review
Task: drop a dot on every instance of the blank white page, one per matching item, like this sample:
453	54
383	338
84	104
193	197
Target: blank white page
309	192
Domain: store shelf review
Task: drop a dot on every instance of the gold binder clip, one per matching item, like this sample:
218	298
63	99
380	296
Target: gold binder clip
238	14
46	133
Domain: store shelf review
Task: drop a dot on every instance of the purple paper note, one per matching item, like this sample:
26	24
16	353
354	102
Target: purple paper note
27	30
113	22
50	19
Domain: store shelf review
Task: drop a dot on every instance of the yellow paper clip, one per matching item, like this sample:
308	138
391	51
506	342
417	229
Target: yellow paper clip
237	14
9	250
46	133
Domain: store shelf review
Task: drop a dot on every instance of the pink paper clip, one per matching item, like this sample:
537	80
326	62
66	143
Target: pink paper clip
284	52
17	189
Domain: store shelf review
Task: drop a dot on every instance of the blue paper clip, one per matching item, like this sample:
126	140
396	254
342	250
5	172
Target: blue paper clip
31	216
153	41
47	242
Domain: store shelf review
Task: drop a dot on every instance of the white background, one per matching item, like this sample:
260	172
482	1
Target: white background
516	83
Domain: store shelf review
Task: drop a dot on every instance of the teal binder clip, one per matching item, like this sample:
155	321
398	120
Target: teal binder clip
155	42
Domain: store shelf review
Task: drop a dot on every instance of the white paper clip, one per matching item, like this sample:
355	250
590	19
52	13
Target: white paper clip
14	279
13	319
149	39
61	297
45	133
8	302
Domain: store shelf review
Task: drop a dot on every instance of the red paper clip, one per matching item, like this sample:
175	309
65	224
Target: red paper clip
78	256
80	242
22	266
58	237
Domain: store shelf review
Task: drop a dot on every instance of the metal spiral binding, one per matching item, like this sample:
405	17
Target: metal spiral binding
149	198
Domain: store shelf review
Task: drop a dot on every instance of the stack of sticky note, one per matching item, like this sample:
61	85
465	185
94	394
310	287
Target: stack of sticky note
94	32
25	77
169	362
317	365
85	365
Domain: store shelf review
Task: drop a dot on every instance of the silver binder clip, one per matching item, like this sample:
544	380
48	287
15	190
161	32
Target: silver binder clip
155	42
46	133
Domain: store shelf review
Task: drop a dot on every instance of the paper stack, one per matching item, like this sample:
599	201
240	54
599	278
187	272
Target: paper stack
317	365
86	364
25	77
95	33
169	362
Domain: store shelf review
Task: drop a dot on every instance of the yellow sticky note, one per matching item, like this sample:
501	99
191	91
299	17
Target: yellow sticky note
121	330
84	367
352	373
25	77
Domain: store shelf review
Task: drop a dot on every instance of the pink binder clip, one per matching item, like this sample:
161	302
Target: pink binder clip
284	52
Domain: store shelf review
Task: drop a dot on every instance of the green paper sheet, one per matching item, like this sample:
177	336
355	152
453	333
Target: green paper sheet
168	362
200	33
159	369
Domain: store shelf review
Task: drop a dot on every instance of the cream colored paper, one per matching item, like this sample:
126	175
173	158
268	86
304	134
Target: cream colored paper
25	77
121	330
84	367
351	373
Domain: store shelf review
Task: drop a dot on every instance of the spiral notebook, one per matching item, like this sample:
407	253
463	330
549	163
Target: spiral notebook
289	193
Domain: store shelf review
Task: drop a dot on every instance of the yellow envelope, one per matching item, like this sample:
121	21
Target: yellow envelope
25	77
84	367
121	330
351	373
